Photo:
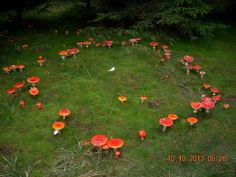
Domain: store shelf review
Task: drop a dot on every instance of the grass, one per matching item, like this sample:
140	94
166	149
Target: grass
83	85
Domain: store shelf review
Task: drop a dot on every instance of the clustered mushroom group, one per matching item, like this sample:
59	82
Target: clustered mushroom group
100	142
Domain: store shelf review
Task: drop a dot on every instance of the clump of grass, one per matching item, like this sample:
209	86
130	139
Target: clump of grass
11	167
79	162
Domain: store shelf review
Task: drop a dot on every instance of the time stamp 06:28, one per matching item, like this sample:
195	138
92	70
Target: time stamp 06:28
197	158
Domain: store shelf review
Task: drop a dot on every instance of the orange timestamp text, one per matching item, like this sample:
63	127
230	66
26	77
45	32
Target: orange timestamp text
197	158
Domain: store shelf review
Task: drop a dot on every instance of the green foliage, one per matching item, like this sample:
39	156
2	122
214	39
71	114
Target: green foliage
184	17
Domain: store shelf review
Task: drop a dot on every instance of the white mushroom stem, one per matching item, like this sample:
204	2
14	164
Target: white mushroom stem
207	111
142	101
195	111
187	71
21	70
186	63
56	132
64	117
202	75
41	64
153	48
63	57
191	124
74	55
164	128
33	85
142	138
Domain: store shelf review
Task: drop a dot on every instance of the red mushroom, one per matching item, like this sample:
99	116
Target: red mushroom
202	73
117	154
154	44
73	51
57	126
216	98
208	105
39	105
197	67
33	80
215	91
115	143
226	106
14	67
206	85
166	122
192	120
99	140
19	85
187	59
188	68
12	91
142	134
33	91
108	43
64	112
22	103
196	106
165	46
21	67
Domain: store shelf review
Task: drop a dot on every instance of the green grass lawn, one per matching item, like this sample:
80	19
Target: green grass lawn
84	86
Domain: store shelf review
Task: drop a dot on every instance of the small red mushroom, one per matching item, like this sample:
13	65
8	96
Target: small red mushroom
21	67
202	73
142	134
12	91
216	98
196	106
154	44
19	85
39	105
166	122
33	80
197	67
215	91
117	154
73	51
33	91
22	103
187	59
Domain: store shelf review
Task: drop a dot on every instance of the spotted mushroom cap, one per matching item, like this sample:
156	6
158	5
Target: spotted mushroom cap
166	122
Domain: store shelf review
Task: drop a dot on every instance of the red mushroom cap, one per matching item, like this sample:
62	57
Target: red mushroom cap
73	51
22	102
206	85
21	66
142	134
58	125
64	112
115	143
117	154
215	90
154	44
19	84
188	58
33	91
208	104
197	67
98	140
216	98
166	122
165	46
196	105
33	79
11	91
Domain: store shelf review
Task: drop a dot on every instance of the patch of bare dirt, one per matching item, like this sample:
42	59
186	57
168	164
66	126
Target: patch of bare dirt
153	104
5	149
